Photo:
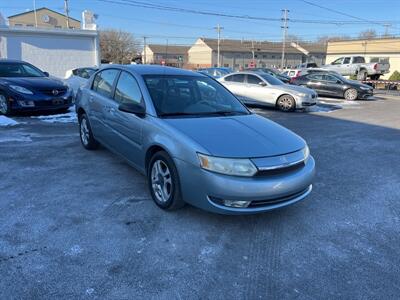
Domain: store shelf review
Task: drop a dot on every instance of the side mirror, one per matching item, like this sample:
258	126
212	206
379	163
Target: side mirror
46	74
338	82
262	83
133	108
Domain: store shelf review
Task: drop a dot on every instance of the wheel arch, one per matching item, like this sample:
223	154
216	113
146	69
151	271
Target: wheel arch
150	152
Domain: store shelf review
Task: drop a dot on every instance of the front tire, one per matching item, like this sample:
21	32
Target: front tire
5	107
163	182
351	94
362	75
86	135
286	103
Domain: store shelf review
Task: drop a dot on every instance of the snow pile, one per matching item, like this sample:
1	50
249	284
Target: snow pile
4	121
69	117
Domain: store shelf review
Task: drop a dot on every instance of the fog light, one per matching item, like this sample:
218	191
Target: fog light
232	203
26	103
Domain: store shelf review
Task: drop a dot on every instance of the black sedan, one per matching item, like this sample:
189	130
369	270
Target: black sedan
23	87
329	84
273	72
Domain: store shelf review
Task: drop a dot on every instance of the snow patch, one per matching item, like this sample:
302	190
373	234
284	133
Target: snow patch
4	121
69	117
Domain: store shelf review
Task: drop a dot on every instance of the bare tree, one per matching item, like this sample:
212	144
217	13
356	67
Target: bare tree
367	34
327	38
118	46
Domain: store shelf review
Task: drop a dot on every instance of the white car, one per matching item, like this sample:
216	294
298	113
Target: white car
77	78
262	88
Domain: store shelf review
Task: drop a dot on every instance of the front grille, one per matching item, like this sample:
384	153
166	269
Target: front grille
54	92
280	171
267	202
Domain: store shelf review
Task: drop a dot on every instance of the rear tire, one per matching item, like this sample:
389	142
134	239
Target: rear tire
86	134
362	75
163	182
286	103
351	94
5	107
375	77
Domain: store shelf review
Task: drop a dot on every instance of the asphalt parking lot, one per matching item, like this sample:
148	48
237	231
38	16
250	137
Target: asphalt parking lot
78	224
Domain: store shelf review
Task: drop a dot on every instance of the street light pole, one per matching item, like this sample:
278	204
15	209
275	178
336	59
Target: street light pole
66	8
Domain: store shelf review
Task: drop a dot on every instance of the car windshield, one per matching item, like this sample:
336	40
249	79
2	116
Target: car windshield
271	80
191	96
19	70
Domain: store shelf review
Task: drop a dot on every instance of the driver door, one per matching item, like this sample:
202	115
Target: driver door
259	90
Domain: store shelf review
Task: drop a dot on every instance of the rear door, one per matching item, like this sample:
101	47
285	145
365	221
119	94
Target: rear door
237	85
100	96
126	127
316	82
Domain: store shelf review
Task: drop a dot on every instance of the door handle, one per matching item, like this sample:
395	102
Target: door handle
91	99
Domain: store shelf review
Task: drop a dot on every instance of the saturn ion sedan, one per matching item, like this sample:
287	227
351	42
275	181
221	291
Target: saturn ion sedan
262	88
194	140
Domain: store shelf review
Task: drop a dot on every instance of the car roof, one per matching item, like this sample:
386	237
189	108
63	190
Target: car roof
6	60
153	70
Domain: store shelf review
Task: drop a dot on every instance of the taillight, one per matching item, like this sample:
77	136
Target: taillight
298	74
375	66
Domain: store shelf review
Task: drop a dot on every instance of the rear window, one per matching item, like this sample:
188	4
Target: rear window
235	78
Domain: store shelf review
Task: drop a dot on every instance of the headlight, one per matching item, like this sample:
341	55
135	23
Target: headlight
302	94
228	166
21	89
306	153
365	88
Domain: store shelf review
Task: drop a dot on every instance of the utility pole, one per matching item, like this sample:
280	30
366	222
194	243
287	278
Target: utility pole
66	8
34	10
218	28
387	25
284	30
252	48
144	61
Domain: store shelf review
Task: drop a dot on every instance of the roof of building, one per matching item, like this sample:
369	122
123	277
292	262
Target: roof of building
171	49
39	9
228	45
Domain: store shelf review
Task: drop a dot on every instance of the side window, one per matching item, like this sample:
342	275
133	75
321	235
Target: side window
346	60
330	78
253	79
235	78
358	60
338	61
103	82
315	77
127	89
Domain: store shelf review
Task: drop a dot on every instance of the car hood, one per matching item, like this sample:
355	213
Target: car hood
294	89
34	83
357	84
246	136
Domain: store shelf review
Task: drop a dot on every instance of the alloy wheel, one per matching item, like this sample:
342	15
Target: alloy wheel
84	132
3	104
285	103
351	94
161	181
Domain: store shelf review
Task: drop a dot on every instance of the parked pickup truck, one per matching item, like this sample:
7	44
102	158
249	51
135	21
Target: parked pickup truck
356	65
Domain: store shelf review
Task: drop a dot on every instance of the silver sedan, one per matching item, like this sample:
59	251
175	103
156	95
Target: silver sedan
262	88
193	140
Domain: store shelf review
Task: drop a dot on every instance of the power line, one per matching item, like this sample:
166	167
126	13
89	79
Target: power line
218	14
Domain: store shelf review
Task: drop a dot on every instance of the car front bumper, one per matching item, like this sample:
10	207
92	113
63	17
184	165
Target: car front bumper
302	102
206	189
34	103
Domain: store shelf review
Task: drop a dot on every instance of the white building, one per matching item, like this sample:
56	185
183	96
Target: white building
52	50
